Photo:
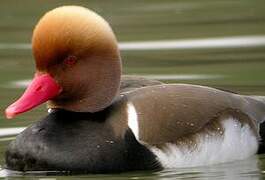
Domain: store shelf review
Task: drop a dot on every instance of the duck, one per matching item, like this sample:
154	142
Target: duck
94	127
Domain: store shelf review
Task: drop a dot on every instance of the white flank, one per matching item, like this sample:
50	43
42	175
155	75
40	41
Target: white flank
132	119
237	143
218	42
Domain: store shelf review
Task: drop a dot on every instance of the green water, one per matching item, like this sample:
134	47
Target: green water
239	69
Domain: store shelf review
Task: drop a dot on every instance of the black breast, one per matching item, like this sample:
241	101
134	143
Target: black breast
77	143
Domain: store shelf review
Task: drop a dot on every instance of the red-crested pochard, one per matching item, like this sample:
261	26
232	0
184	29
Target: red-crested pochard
92	128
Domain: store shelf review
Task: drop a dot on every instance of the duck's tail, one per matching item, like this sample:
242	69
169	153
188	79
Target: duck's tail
254	106
261	150
259	98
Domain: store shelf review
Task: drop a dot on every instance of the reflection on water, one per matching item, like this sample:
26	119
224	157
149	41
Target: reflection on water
245	169
238	68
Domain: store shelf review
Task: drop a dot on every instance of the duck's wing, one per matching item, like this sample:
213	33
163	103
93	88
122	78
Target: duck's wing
130	83
167	113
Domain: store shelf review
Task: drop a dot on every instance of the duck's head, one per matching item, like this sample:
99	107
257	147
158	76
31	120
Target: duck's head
77	61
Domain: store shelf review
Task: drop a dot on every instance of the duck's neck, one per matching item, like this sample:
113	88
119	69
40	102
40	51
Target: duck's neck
87	104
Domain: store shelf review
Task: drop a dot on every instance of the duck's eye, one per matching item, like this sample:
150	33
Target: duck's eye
70	60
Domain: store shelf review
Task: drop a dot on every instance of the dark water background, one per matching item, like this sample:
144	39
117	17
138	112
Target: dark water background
240	69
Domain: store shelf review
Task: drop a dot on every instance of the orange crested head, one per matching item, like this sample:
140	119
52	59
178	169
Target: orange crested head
78	63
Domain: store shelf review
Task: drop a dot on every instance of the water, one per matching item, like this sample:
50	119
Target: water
245	169
238	68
